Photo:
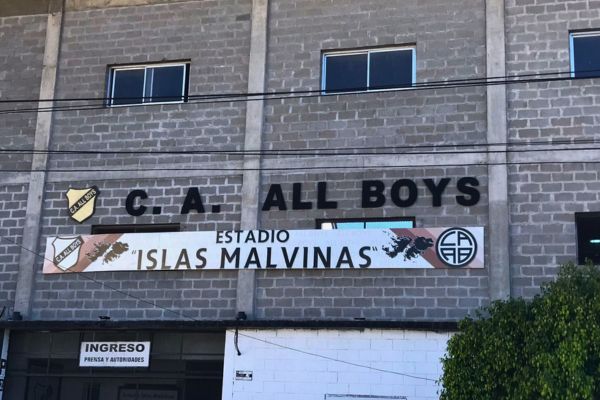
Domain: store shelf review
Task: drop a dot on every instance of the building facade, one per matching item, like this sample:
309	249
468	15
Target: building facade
282	115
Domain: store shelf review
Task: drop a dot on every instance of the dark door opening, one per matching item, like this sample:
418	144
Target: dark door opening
183	366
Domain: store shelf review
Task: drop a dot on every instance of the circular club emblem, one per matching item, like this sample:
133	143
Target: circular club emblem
456	247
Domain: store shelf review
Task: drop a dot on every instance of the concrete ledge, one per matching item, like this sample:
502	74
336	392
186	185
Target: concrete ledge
220	325
81	5
11	8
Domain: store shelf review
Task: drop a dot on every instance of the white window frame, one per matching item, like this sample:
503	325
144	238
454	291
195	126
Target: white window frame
368	52
330	223
146	98
572	36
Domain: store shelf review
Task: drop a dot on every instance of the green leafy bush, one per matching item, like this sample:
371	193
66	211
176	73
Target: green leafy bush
546	348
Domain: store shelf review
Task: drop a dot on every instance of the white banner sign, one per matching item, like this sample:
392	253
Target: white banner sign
297	249
114	354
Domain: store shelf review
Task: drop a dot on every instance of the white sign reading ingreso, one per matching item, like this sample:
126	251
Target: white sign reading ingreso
114	354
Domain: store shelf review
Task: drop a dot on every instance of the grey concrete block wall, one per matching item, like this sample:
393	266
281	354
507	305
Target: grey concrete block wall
192	294
537	33
544	197
544	200
449	45
13	199
213	35
373	294
22	41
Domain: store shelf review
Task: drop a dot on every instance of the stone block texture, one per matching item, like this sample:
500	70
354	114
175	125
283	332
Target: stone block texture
537	34
131	295
374	294
449	45
544	200
21	57
213	36
544	197
13	200
406	357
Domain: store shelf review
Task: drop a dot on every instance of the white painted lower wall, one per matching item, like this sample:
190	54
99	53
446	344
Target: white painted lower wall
282	369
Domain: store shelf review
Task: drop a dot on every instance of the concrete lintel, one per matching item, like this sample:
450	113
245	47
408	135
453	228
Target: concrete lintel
19	178
82	5
10	8
166	171
246	283
31	229
498	226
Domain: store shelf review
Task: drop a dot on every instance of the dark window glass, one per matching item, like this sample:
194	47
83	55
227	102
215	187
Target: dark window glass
128	86
167	84
588	237
586	56
149	84
346	73
142	228
391	69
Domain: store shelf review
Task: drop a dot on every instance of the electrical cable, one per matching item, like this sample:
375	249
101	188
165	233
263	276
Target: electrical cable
236	333
104	285
367	150
216	99
307	91
303	168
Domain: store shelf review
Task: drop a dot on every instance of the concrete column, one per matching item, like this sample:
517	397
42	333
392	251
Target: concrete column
35	197
246	283
498	225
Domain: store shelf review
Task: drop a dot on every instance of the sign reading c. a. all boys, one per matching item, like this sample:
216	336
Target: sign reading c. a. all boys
114	354
456	247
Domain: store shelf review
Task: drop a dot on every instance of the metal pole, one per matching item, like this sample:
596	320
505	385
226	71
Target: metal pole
3	359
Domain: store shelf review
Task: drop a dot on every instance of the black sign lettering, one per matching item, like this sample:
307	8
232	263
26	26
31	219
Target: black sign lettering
192	202
130	203
297	203
412	193
274	199
437	190
322	202
467	185
372	194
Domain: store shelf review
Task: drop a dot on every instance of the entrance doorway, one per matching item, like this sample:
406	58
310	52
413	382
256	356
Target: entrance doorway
183	366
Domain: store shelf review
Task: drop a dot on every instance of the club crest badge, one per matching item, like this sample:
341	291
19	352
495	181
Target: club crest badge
82	203
456	247
66	251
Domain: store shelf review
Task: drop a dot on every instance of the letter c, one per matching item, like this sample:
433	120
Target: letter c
130	202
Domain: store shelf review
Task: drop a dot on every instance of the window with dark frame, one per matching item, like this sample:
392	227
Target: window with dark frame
147	84
135	228
588	237
366	223
585	57
368	69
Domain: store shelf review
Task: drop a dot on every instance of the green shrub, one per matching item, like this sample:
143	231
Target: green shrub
546	348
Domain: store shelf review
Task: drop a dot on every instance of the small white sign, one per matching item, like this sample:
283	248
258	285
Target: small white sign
114	354
243	375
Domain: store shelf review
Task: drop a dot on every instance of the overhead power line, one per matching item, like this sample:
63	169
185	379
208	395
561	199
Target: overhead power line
82	171
303	91
334	359
414	149
254	94
101	103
